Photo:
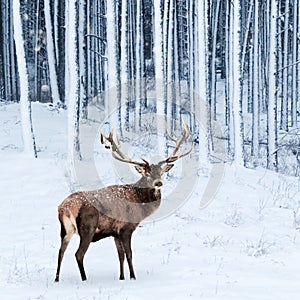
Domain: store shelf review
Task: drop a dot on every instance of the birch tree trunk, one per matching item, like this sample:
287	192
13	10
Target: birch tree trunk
159	82
255	102
73	83
294	72
124	63
112	80
51	54
201	112
272	104
236	96
7	41
25	104
213	62
138	68
82	64
285	80
170	64
298	54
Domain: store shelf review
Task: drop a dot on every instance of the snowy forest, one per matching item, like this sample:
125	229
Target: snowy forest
230	68
220	78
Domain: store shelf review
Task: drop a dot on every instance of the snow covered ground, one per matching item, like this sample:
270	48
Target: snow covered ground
244	245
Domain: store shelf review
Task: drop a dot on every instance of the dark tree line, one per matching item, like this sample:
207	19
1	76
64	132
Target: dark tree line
230	66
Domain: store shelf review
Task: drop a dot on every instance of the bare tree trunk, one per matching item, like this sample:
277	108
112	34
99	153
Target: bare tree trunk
138	68
298	64
51	54
124	63
159	77
26	119
255	100
37	85
82	64
229	78
272	103
236	95
7	41
72	82
294	70
213	62
285	80
165	52
192	50
113	83
202	85
170	64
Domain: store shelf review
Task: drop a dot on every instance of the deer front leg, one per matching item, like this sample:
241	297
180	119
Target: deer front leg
126	242
121	257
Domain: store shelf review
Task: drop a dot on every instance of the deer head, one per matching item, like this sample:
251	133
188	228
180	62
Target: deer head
151	173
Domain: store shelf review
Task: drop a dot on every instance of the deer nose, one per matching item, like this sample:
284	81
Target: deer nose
158	183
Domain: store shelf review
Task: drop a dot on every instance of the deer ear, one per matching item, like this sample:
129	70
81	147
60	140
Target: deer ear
167	168
141	170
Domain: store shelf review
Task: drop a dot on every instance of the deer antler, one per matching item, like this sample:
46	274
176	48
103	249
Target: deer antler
186	134
109	143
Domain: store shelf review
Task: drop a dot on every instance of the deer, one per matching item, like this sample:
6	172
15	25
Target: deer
117	210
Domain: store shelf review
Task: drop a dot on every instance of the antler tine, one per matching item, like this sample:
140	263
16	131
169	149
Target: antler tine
112	145
171	137
186	134
115	150
173	157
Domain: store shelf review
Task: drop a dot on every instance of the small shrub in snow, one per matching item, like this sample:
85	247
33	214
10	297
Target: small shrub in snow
297	218
233	218
285	194
214	241
261	207
258	248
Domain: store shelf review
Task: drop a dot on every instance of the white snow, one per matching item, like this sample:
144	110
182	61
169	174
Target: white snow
244	245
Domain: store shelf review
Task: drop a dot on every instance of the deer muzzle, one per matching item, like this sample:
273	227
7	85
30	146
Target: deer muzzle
157	183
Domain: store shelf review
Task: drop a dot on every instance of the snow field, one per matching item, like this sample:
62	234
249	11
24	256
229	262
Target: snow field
244	245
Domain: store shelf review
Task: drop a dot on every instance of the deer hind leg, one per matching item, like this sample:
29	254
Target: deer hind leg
86	234
121	255
67	231
83	246
126	242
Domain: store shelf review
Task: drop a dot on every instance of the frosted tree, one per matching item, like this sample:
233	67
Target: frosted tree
213	77
169	62
285	69
25	104
113	79
295	62
256	99
124	65
8	75
236	81
140	84
201	84
82	56
272	85
51	54
159	77
72	81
